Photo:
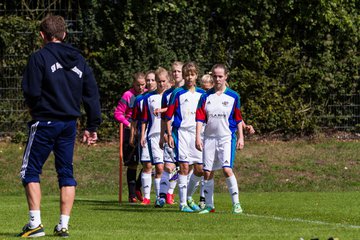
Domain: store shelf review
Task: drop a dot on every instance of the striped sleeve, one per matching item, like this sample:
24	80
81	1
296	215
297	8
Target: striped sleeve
200	111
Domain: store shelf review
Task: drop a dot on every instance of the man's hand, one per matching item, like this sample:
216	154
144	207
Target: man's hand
89	137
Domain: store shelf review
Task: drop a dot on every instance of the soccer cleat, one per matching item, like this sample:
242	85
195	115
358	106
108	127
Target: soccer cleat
207	209
32	232
193	205
145	201
139	195
160	202
186	208
170	198
237	208
201	205
61	233
132	200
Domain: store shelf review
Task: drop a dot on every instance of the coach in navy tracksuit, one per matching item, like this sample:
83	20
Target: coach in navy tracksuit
55	82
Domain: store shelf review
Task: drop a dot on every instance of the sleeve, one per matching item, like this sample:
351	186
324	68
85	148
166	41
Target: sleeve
120	110
173	103
91	101
237	111
136	111
145	111
32	81
164	104
200	111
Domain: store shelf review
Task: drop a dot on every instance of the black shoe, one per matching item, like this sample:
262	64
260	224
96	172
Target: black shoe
32	232
61	233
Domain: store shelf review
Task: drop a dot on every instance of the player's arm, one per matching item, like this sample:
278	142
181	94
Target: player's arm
198	141
162	133
143	129
240	136
168	129
133	132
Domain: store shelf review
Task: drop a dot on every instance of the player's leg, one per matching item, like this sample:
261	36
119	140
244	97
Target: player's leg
37	150
209	165
146	175
167	186
183	175
129	158
228	155
165	183
202	195
193	184
64	152
195	158
146	180
208	192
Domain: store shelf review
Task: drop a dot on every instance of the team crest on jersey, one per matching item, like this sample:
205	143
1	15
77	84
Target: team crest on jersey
225	103
186	100
208	102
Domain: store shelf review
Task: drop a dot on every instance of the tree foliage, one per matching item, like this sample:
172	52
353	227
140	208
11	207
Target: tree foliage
286	58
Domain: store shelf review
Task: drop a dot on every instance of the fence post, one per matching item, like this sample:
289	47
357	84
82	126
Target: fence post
121	136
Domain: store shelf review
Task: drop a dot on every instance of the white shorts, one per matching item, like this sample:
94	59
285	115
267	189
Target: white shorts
219	152
156	153
145	154
185	150
169	156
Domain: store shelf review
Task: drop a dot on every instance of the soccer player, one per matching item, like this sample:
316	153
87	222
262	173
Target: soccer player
122	114
150	135
182	109
206	82
55	82
219	108
166	186
135	130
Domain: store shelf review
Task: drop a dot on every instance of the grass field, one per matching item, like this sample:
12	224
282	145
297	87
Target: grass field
289	190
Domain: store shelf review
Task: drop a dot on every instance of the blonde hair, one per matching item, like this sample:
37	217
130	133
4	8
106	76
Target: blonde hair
206	78
176	63
159	71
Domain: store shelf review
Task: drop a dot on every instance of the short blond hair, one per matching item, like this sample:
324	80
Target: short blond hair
206	78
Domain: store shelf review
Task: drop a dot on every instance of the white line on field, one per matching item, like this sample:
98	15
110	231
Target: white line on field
303	221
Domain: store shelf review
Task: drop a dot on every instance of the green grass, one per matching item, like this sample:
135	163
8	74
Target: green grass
289	190
267	216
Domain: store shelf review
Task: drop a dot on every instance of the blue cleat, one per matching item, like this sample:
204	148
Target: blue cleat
186	208
159	203
193	205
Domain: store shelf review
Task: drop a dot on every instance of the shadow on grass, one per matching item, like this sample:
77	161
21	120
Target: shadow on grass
112	205
8	235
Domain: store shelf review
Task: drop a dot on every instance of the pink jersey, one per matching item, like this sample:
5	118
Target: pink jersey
125	106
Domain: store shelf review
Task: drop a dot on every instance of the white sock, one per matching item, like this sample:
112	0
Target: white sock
209	192
233	188
182	189
34	218
157	186
202	187
189	175
64	222
164	183
172	186
192	185
146	182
